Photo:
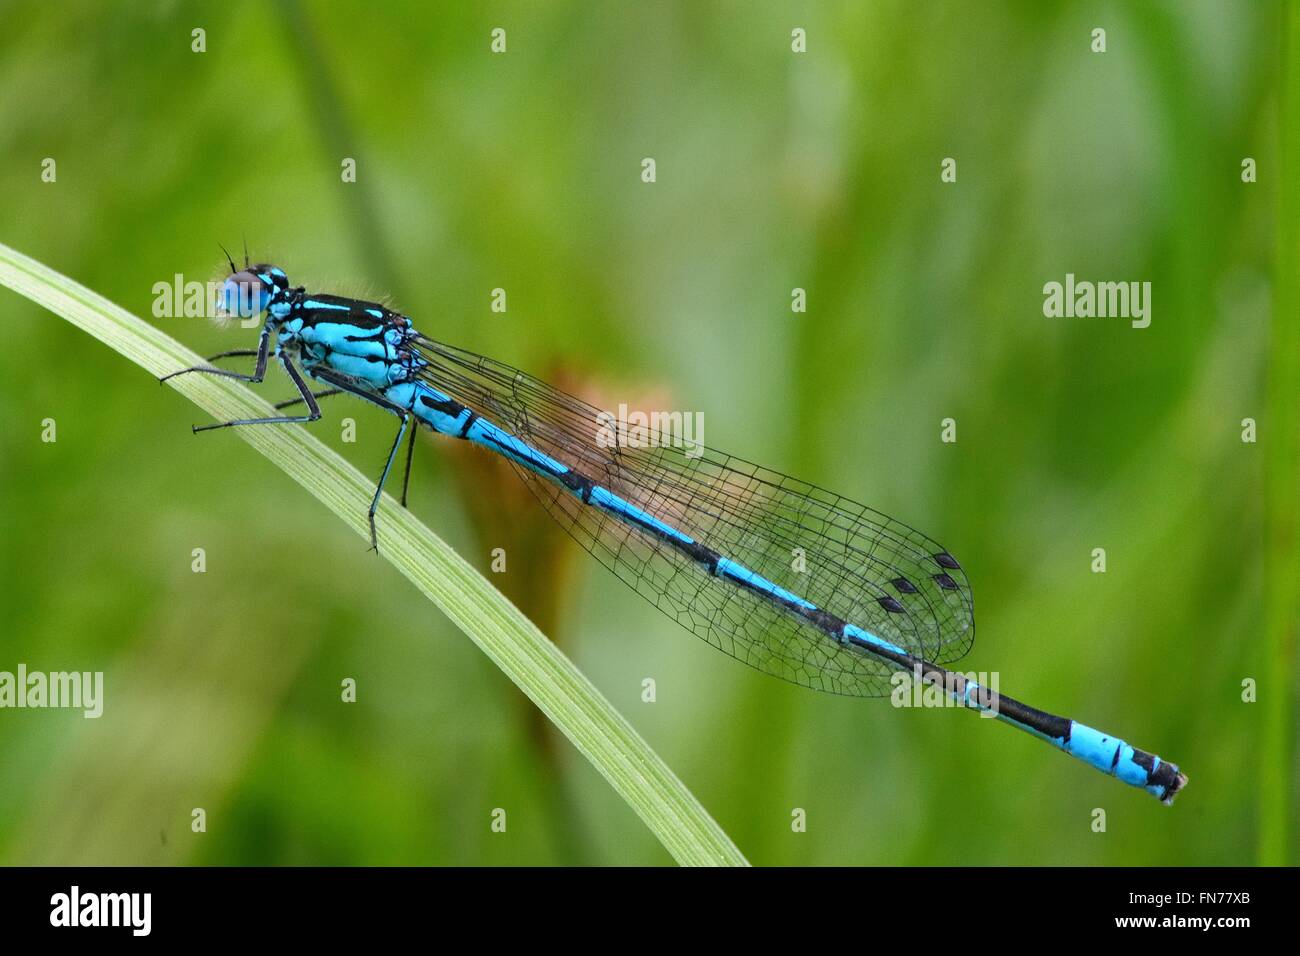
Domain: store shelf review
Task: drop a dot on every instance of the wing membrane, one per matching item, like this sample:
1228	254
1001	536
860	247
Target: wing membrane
850	560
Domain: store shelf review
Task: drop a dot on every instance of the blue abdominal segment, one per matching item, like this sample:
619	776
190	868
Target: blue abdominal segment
1115	757
858	636
742	575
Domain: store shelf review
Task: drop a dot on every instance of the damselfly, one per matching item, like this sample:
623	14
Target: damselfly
785	576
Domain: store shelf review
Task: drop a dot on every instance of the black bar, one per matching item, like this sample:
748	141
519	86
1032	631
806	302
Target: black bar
1160	908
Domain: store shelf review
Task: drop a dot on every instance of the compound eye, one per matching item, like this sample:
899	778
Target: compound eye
244	295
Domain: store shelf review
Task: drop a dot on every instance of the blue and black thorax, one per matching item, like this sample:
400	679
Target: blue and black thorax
364	341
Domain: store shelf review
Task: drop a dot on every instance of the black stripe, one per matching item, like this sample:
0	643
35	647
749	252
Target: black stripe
578	483
810	613
769	596
834	626
1049	725
314	317
704	555
1144	760
513	455
446	406
825	621
694	549
1167	776
583	486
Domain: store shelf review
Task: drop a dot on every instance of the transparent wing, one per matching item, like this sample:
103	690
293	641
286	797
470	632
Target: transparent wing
856	563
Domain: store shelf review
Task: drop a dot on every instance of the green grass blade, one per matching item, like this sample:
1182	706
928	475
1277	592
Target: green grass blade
1282	480
540	670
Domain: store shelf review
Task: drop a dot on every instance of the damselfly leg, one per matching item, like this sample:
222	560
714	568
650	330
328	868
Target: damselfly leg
406	478
231	353
259	372
404	415
310	399
326	393
388	465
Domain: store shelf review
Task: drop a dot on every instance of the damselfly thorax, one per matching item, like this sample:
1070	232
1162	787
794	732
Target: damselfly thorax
365	342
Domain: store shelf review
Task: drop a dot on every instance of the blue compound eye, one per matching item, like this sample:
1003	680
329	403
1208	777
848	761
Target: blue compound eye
244	295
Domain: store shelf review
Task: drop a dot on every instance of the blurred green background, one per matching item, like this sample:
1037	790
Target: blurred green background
775	170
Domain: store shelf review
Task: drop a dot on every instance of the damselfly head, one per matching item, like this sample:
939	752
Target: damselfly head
251	290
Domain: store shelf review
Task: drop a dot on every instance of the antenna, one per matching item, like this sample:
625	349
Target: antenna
228	259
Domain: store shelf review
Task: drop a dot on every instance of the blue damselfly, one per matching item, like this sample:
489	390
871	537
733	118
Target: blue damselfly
707	538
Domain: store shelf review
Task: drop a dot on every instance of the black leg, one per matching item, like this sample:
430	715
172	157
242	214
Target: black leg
343	385
402	413
379	488
406	478
289	403
307	396
258	374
